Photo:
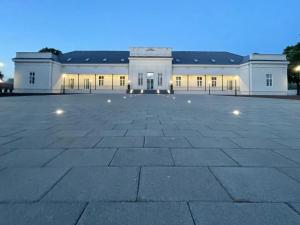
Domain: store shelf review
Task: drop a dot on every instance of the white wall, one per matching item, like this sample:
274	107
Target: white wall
21	78
95	69
245	79
279	75
205	69
154	65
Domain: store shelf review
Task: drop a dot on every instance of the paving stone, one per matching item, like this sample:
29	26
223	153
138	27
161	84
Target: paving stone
219	133
257	143
179	184
296	206
292	172
262	158
290	142
27	184
142	157
114	142
148	132
31	142
258	184
28	158
201	157
107	133
71	133
4	151
212	142
5	140
137	213
73	158
97	184
75	142
166	142
181	132
291	154
40	213
243	214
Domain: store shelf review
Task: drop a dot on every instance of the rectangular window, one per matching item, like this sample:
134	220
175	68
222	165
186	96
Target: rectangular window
86	83
31	78
269	80
71	83
230	85
122	81
159	79
101	81
214	81
178	81
199	81
140	79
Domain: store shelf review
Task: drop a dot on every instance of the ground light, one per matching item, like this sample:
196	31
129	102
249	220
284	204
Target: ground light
59	112
236	112
108	101
174	97
189	101
124	97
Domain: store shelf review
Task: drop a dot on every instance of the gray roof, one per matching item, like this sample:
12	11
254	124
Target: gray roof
179	57
95	57
198	57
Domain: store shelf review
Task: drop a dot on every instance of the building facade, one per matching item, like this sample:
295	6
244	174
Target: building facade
157	69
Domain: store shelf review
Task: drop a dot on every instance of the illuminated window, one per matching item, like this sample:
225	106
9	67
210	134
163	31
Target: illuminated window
269	80
199	81
214	81
122	81
31	78
140	79
159	79
86	83
101	81
71	83
178	81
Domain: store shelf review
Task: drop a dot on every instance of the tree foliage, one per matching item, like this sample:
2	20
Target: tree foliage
1	75
293	56
51	50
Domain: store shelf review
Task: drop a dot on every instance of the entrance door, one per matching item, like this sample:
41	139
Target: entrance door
149	84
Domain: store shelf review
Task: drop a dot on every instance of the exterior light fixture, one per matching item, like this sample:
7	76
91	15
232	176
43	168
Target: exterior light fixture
129	81
297	68
157	91
142	91
131	91
108	101
168	91
236	112
59	112
189	101
171	82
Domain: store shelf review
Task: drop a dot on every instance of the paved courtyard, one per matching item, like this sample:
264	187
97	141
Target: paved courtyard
149	160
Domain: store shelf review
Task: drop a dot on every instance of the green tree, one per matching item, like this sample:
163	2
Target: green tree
293	56
51	50
1	75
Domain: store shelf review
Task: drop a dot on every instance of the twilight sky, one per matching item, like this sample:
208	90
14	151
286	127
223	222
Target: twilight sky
238	26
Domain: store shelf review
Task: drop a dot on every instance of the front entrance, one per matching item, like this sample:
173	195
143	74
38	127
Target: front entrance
150	84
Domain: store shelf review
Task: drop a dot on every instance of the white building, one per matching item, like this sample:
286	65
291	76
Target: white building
151	69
